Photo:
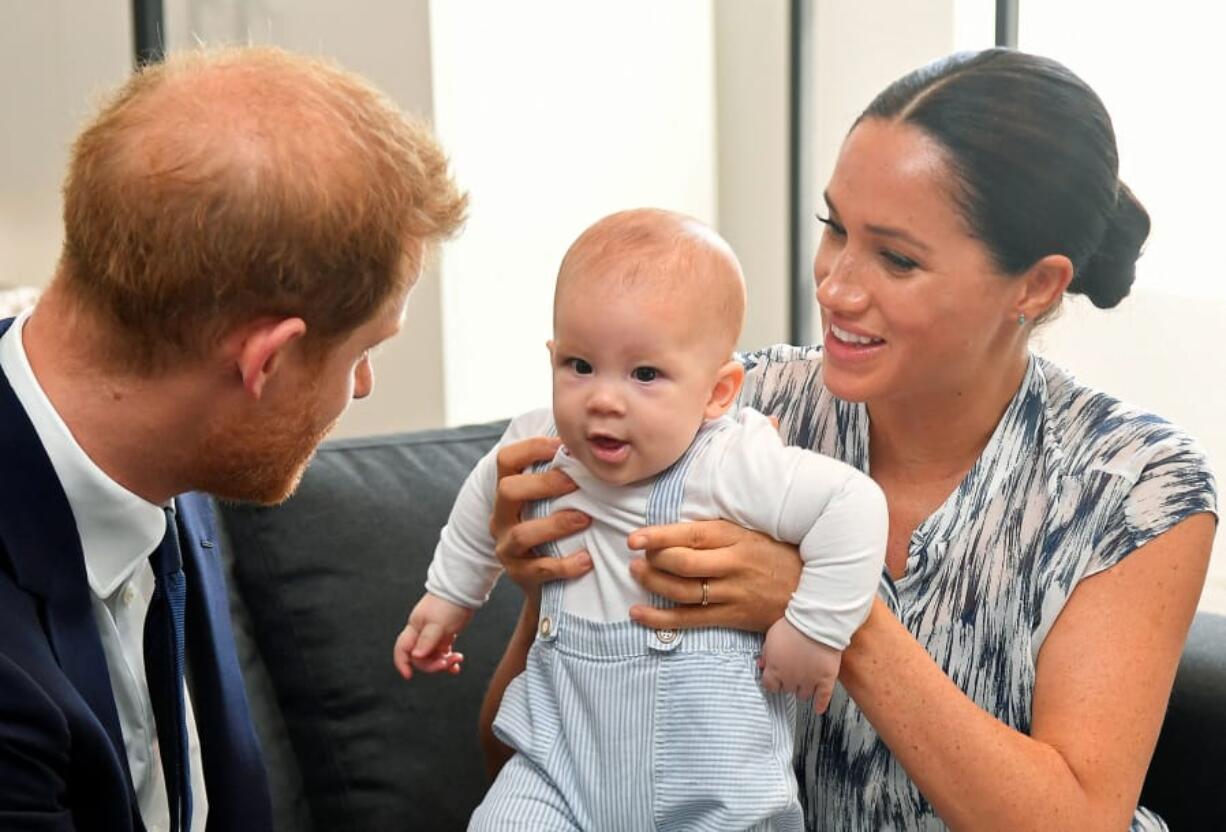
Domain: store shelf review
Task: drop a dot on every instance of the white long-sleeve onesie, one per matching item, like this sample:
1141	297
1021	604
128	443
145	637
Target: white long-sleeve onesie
740	471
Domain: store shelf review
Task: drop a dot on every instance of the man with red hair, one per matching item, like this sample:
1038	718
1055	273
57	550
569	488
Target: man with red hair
242	227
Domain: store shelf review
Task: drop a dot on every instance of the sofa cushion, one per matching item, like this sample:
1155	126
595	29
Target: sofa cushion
328	579
1184	784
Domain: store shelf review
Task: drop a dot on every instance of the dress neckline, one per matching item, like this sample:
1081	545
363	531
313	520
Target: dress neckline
1013	441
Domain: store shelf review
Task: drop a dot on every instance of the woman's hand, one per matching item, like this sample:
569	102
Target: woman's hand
514	542
515	539
749	577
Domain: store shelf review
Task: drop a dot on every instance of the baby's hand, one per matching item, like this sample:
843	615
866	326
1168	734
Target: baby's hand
425	642
794	663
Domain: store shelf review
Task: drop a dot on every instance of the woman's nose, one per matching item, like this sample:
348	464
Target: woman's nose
840	285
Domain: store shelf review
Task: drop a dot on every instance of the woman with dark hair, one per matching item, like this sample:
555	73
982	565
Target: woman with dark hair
1047	542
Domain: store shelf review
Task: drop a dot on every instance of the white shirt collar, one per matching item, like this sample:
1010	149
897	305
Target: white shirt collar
118	529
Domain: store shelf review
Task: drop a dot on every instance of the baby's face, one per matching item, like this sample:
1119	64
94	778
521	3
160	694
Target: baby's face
632	375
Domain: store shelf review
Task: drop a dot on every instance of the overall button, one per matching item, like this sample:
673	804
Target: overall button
546	626
666	636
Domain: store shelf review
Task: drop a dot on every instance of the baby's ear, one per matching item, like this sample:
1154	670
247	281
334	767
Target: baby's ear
727	387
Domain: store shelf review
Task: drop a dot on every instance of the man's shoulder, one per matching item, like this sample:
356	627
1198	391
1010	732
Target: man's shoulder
18	607
55	757
25	651
42	725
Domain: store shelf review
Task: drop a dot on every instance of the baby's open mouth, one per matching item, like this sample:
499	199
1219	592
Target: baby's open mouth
608	448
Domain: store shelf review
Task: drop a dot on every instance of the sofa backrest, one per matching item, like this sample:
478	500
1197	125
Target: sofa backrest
1186	783
325	583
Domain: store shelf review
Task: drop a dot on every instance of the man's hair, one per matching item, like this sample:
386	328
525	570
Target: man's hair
222	186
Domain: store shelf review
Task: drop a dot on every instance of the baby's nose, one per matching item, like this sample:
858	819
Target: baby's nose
605	400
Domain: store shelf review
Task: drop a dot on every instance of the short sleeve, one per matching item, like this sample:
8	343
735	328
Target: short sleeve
1174	484
766	372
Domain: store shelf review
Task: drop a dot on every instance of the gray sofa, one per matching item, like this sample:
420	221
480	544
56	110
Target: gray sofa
322	584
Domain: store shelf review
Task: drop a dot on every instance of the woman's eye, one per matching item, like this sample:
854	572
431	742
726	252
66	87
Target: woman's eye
832	226
898	261
580	366
645	373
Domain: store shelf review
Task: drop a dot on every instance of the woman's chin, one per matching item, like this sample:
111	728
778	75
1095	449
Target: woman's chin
847	387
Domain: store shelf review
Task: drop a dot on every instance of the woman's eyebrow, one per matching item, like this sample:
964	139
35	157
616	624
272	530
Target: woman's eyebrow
883	230
898	234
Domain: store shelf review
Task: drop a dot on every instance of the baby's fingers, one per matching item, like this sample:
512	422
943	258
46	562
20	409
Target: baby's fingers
822	695
771	680
402	651
445	662
428	641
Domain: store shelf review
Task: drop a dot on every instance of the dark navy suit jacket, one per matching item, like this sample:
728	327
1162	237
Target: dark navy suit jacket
62	760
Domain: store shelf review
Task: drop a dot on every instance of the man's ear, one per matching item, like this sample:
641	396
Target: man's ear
262	348
727	387
1043	285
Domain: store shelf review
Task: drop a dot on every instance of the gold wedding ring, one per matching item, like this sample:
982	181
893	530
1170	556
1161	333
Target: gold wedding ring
706	591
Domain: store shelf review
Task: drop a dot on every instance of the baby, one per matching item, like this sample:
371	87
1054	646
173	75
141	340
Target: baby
615	725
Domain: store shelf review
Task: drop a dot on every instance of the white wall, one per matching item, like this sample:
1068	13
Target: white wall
557	113
861	46
388	42
751	84
1166	116
56	56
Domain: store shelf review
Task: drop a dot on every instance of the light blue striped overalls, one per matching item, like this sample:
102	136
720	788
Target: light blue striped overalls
619	727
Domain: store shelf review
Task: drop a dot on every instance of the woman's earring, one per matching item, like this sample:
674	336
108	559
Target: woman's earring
1021	318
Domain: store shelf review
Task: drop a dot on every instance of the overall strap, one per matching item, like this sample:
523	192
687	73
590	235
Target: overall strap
551	592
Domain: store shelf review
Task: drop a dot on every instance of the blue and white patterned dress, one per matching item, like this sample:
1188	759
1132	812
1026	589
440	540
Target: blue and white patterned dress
1070	482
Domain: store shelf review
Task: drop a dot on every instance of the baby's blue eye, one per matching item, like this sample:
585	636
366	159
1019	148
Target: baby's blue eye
645	373
580	366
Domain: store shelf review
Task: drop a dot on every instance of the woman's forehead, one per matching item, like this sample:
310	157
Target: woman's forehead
890	162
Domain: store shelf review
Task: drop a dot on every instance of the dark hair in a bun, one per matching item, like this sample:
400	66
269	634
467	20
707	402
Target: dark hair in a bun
1107	276
1033	152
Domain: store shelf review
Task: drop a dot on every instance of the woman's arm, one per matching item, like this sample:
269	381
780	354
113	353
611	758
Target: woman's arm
514	544
1103	678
